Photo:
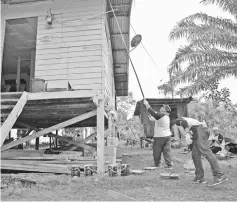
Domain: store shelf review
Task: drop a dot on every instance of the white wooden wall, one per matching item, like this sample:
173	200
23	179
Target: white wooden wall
3	23
73	49
107	59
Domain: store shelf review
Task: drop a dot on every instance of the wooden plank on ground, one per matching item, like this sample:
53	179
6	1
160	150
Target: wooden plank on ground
44	166
150	168
119	196
11	119
50	129
14	165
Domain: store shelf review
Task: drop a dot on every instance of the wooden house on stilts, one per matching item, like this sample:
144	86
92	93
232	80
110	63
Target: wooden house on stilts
63	64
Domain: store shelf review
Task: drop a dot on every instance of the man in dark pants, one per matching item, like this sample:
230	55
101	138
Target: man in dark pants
162	135
201	148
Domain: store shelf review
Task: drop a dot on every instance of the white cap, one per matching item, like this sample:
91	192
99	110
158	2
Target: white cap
215	128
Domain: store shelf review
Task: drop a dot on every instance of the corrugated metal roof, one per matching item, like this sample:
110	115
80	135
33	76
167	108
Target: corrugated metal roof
118	43
159	102
123	23
21	1
120	57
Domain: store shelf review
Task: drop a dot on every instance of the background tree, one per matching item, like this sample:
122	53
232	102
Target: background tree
128	128
211	53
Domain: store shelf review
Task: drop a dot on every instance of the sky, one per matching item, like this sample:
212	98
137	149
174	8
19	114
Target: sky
154	20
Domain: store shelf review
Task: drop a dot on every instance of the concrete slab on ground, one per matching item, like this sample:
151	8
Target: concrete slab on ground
137	171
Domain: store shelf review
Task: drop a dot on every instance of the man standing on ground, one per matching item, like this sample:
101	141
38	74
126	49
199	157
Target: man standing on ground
162	135
200	147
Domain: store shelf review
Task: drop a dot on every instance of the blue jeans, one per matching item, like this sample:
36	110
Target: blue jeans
162	145
201	148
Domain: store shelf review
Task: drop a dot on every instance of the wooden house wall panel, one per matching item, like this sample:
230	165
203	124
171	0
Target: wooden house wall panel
68	44
62	52
54	46
64	39
74	33
71	49
72	76
67	71
67	60
84	65
76	15
72	23
107	59
69	29
3	24
57	6
69	54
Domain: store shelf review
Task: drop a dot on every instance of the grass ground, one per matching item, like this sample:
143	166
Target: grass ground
148	186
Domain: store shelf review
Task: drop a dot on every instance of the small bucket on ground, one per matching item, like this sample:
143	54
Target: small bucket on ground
112	170
75	171
125	169
88	170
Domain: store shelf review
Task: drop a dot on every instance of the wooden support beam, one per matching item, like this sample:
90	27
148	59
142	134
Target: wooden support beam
32	68
70	141
3	25
37	143
100	136
61	95
11	119
49	130
56	140
50	142
92	136
18	74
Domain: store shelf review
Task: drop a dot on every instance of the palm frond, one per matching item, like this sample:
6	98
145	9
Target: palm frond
194	71
206	55
226	5
213	37
188	25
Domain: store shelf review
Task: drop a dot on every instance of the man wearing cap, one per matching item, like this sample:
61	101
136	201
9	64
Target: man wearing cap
200	147
162	135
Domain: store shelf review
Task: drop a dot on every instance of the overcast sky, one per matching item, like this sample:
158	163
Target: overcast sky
154	19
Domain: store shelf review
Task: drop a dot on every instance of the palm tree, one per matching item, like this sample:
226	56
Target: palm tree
211	53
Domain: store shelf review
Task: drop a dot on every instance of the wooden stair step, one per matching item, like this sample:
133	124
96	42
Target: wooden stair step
4	115
11	95
9	101
7	107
